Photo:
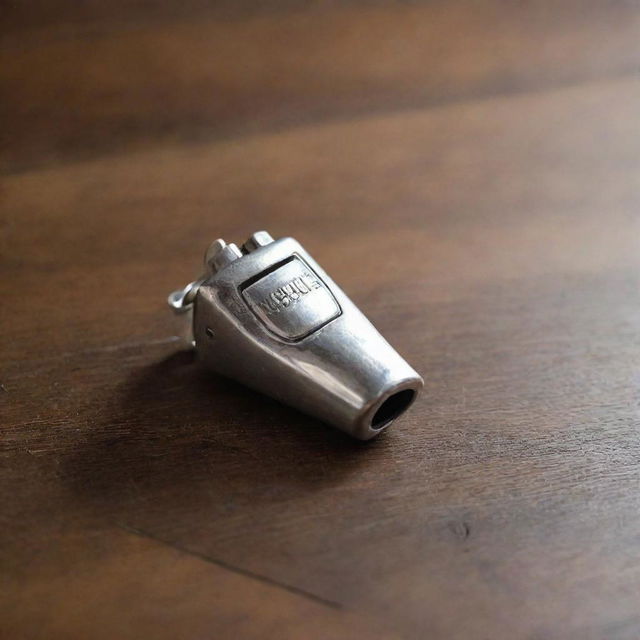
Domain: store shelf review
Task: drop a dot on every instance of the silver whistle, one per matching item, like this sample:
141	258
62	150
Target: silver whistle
268	316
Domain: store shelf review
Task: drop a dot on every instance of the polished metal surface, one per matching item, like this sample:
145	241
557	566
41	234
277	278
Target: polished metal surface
271	318
292	302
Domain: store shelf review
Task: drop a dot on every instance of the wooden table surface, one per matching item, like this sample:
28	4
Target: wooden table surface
469	173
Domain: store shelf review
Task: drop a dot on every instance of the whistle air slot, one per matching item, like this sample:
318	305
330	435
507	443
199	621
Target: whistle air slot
266	272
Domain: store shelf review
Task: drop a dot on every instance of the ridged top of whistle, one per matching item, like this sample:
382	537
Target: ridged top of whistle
220	254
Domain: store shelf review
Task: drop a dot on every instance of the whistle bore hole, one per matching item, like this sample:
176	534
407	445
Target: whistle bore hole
392	407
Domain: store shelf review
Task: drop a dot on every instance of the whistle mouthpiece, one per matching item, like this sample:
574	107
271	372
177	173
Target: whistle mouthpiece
268	316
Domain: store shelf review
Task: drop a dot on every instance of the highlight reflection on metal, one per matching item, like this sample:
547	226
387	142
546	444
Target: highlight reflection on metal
268	316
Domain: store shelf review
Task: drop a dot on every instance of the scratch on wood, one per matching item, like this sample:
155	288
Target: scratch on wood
460	529
229	567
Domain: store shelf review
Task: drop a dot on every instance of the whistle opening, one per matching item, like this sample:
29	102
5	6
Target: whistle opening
392	407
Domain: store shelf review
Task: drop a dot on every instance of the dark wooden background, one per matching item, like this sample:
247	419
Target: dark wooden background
469	172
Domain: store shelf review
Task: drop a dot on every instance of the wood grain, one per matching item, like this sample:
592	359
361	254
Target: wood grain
469	172
117	78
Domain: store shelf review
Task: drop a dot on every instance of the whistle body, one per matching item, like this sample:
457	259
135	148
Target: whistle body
271	318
